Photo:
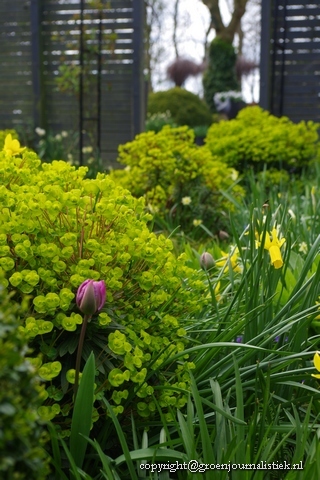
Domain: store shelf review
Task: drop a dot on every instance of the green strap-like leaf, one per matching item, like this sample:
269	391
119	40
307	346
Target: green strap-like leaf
82	413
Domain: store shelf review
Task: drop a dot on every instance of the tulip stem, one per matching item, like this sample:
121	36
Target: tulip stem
79	353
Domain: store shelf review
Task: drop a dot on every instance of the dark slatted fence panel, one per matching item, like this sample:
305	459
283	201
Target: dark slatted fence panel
31	95
294	69
16	92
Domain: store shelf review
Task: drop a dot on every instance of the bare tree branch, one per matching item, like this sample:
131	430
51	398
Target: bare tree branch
228	32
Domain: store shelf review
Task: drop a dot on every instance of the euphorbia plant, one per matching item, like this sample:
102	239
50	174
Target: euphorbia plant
58	229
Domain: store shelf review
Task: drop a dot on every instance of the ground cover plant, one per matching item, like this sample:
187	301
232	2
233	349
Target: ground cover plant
232	385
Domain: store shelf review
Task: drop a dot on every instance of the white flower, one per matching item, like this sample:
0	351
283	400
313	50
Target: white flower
222	96
292	214
87	150
40	131
303	247
234	175
196	222
64	134
58	137
186	200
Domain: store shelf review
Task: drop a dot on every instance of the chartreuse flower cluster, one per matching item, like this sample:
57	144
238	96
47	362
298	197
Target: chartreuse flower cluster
178	178
256	137
58	229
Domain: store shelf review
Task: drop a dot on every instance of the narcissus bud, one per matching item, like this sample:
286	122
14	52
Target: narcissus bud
206	261
223	235
91	296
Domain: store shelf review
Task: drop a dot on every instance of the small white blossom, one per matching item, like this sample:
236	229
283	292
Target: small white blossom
40	131
292	214
186	200
87	150
303	247
197	222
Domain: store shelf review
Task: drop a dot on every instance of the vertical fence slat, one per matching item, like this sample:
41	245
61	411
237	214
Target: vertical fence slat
36	62
138	83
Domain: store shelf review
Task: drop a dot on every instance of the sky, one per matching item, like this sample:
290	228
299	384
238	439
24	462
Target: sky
194	19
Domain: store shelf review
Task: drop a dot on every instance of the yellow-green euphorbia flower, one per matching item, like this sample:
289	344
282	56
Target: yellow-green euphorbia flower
12	146
316	362
273	244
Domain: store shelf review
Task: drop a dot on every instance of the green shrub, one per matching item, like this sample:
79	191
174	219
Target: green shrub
220	75
21	433
58	229
178	178
256	138
185	107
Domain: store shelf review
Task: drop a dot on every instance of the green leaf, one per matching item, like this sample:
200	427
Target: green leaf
82	413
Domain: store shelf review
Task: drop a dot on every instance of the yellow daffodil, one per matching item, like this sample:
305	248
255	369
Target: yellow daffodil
12	146
233	259
316	363
273	244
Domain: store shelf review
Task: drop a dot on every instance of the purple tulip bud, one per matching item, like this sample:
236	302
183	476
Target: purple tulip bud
206	261
91	296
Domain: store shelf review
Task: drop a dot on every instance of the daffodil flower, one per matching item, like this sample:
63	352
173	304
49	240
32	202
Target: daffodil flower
273	244
233	261
316	363
12	146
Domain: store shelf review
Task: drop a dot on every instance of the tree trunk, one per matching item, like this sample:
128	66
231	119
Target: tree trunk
224	32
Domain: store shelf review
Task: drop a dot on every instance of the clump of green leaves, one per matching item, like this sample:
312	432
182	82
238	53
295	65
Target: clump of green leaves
21	433
57	229
256	138
178	179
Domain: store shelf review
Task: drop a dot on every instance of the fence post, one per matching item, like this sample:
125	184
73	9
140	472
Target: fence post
37	84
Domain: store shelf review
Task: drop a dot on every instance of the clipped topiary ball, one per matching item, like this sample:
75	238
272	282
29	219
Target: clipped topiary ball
185	107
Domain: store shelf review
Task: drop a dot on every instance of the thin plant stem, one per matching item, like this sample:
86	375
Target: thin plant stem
79	353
